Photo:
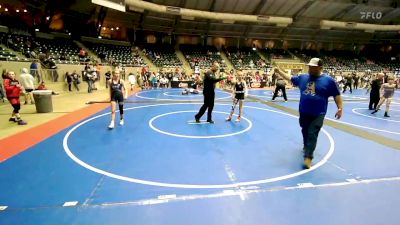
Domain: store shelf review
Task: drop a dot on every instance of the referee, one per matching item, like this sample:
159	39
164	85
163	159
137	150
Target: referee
209	93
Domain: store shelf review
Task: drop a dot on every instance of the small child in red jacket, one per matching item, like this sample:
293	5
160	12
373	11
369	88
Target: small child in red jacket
42	86
13	90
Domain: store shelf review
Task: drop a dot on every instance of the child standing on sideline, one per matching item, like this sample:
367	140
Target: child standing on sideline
13	90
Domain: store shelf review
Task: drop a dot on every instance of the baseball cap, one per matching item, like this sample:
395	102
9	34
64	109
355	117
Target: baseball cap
315	62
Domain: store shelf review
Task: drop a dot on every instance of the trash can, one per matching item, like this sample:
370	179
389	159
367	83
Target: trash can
43	101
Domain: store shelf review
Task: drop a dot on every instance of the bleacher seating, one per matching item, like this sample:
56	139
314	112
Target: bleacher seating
59	49
162	55
339	60
276	53
116	54
7	55
244	58
202	56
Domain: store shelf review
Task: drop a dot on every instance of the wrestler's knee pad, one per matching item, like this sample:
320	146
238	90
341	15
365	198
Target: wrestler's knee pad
121	109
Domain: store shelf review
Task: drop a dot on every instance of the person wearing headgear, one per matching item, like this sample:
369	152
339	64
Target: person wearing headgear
315	90
387	91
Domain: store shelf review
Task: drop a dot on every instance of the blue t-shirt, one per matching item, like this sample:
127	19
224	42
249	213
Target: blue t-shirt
34	66
315	92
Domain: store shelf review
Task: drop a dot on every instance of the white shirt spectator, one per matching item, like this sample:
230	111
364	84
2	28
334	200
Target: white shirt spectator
27	80
163	80
132	79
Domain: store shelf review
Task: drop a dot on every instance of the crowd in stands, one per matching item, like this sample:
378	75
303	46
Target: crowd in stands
116	54
244	58
47	53
60	50
202	56
163	78
276	53
345	61
163	56
6	55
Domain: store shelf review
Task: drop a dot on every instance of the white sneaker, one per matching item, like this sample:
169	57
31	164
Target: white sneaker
121	122
112	125
238	119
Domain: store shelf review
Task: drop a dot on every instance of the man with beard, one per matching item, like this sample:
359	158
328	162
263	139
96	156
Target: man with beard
315	89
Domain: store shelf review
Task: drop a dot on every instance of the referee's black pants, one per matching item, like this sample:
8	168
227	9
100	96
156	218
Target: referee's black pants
208	104
283	89
373	100
345	88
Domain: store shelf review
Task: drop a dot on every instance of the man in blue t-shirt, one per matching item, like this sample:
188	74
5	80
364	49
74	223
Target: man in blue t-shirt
315	89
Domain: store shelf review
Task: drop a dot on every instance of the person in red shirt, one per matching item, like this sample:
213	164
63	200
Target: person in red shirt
13	90
42	86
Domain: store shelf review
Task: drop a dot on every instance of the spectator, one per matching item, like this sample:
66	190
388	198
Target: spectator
153	80
89	72
82	53
2	93
13	91
163	82
108	78
27	81
132	80
76	79
53	70
69	79
35	70
42	86
139	79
